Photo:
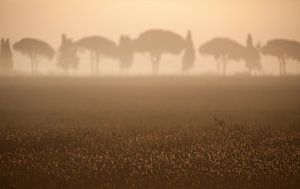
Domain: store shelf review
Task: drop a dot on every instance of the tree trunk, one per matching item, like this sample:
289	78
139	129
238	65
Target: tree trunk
97	61
33	58
32	65
218	67
155	59
284	65
224	68
281	67
92	63
36	67
224	60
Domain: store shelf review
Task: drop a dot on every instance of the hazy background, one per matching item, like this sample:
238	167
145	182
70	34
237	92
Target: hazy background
48	19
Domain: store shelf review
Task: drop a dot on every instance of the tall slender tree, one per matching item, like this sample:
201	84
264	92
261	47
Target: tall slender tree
125	53
252	55
189	56
6	56
67	54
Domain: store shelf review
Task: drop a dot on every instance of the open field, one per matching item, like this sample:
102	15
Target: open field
145	132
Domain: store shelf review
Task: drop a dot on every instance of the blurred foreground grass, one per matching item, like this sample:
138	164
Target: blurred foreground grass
225	155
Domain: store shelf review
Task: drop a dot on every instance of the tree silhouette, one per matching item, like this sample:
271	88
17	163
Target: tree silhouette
6	56
67	55
223	50
98	46
125	53
158	42
35	49
252	55
282	49
189	56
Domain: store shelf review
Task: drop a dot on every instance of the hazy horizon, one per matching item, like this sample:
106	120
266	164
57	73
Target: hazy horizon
48	19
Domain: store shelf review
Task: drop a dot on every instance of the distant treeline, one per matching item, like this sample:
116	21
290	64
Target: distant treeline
154	43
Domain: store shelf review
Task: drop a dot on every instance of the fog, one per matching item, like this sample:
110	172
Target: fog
48	19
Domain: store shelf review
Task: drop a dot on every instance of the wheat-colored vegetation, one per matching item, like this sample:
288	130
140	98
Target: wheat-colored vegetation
150	157
117	133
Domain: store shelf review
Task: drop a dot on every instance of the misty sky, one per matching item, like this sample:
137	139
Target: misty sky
48	19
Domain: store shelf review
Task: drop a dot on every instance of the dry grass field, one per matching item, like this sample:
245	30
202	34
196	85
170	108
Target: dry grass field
144	132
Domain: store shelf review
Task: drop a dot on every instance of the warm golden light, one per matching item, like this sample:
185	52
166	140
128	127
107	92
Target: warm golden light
149	94
48	19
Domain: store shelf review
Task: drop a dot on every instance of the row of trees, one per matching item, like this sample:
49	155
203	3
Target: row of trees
154	43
